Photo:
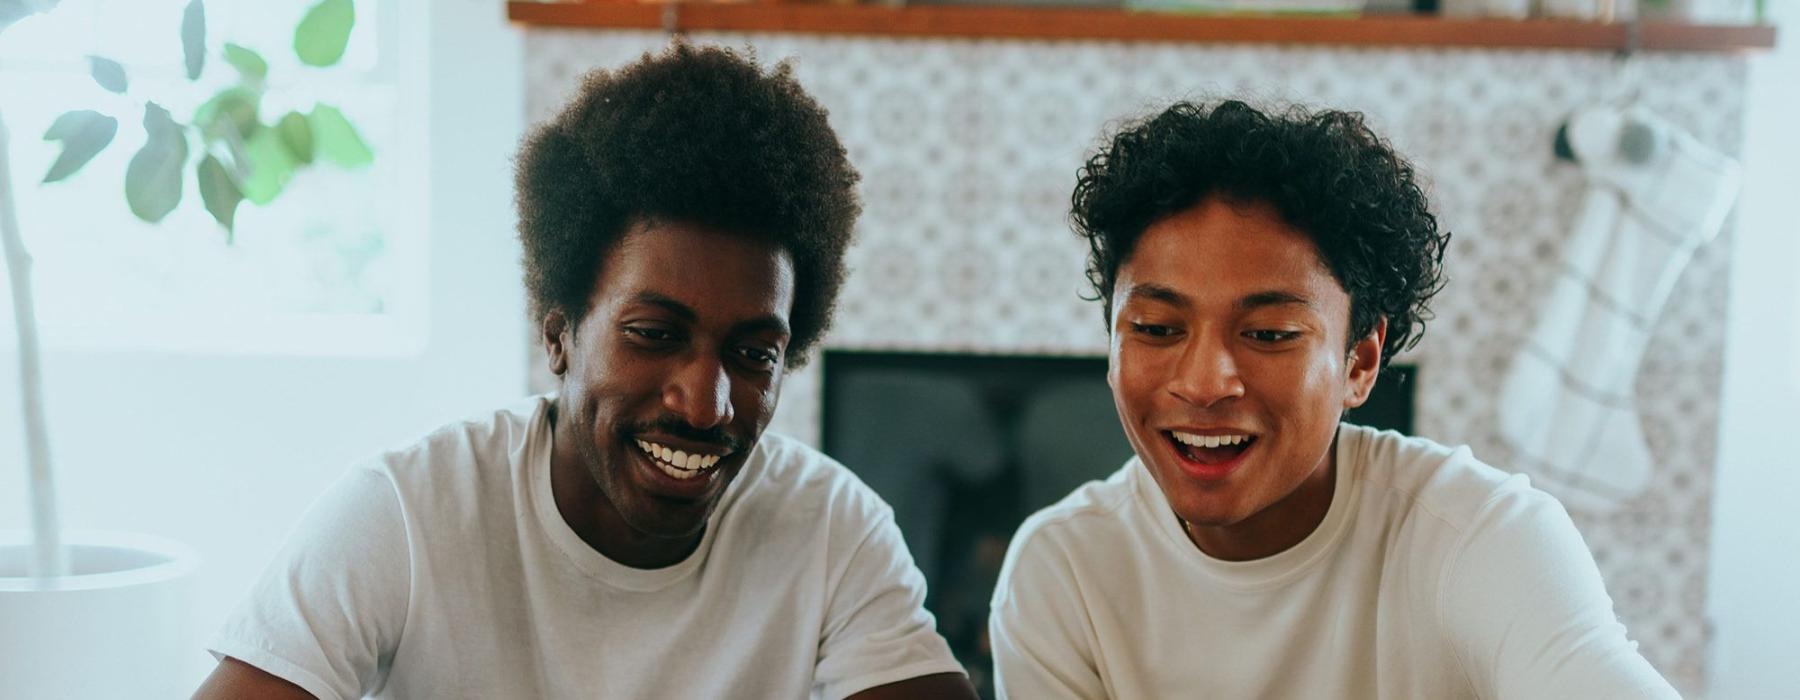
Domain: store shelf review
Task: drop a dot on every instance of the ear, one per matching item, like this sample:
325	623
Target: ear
556	336
1364	364
1112	359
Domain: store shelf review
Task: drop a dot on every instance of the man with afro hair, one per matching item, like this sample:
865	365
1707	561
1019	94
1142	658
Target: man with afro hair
634	534
1256	271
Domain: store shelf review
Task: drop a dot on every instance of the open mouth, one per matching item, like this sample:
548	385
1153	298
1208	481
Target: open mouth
679	464
1210	449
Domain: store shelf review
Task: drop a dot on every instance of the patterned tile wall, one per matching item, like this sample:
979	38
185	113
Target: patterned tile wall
969	148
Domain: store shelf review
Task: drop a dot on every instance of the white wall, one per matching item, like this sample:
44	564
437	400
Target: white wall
224	452
1755	609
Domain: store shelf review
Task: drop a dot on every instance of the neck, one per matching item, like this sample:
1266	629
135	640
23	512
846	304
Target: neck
1277	528
591	514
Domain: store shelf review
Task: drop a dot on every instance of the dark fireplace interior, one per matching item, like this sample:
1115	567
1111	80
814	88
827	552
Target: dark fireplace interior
964	447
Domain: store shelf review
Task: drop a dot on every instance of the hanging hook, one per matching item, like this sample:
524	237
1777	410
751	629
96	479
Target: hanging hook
1634	37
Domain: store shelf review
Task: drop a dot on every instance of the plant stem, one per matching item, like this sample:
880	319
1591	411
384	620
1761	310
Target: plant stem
48	558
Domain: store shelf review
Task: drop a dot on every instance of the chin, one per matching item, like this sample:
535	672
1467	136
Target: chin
1209	513
1209	505
662	520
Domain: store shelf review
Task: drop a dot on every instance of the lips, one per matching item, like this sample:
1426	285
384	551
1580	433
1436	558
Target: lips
1210	455
676	472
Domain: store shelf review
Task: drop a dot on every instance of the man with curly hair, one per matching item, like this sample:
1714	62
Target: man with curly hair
1257	270
635	534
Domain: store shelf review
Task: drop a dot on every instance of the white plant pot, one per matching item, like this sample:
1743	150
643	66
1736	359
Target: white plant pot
120	626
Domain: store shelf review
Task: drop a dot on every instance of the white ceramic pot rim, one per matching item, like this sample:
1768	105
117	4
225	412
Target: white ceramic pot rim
175	560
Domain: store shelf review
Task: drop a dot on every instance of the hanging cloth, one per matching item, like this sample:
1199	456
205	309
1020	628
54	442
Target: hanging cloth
1654	195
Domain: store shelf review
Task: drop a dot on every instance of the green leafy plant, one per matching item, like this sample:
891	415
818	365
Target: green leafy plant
235	151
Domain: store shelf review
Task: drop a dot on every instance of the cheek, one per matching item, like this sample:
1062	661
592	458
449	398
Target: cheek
754	400
1133	369
1313	388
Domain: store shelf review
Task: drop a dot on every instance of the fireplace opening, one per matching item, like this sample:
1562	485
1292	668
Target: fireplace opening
965	447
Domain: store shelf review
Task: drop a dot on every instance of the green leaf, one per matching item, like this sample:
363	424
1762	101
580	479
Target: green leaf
248	63
238	158
234	107
336	140
153	179
108	73
193	38
218	192
14	10
324	32
270	166
297	134
84	134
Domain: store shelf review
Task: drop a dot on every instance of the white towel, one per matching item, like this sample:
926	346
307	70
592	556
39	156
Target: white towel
1654	195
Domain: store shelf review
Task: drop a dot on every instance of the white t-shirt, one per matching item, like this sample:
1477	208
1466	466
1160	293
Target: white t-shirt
445	571
1432	576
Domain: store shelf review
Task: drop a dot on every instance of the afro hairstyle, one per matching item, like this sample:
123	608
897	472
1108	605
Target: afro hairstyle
694	134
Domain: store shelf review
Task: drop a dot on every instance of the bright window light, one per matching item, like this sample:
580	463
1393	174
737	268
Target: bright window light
334	265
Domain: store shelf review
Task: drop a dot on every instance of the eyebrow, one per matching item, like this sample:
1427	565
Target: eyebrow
1157	292
680	310
1257	300
770	322
1274	298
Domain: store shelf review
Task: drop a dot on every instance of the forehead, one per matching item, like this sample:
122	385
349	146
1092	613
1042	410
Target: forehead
720	275
1223	251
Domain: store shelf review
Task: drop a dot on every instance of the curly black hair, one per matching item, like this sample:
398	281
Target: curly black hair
699	135
1326	172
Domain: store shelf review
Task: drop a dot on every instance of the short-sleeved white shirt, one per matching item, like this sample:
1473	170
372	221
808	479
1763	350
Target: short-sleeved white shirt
444	570
1432	576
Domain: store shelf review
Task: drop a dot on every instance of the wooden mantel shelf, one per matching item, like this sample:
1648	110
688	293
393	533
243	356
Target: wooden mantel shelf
1112	24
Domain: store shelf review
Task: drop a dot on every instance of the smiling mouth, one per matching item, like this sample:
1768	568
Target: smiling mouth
679	464
1210	449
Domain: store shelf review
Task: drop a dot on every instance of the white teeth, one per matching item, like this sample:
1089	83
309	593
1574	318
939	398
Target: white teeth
1208	440
672	471
677	463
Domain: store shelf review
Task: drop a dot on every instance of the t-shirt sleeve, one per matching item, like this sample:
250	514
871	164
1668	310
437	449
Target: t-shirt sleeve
330	607
877	630
1528	615
1038	625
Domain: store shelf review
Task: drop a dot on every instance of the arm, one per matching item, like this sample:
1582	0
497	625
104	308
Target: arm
879	642
332	602
1528	615
235	679
949	686
1038	625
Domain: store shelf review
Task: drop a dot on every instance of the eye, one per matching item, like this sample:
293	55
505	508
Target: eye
1271	336
653	334
758	356
1154	331
761	357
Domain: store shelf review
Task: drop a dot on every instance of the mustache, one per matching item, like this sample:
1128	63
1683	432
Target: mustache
670	425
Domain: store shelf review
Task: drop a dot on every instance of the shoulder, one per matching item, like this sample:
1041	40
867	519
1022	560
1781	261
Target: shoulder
473	451
796	483
1446	484
1091	519
1095	503
1457	520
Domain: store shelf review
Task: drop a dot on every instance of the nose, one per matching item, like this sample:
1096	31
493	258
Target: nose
700	392
1207	373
